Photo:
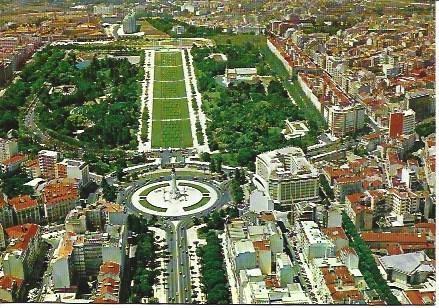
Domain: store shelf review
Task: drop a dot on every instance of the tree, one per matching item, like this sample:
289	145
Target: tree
12	184
219	162
108	191
426	128
367	264
212	165
205	156
213	275
196	221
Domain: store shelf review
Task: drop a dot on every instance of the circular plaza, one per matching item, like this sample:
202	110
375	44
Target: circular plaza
175	198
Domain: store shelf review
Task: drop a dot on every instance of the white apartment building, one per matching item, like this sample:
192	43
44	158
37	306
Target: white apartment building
62	263
129	24
244	255
409	122
402	201
262	271
256	293
284	269
344	120
8	148
21	252
74	169
313	242
76	221
259	202
47	161
255	288
332	63
107	9
114	244
286	175
2	238
81	255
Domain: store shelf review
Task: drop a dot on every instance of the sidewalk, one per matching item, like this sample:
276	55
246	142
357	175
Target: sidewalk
197	96
159	289
146	101
195	262
230	275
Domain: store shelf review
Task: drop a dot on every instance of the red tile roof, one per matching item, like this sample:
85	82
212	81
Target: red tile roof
421	298
372	136
59	191
340	274
113	207
109	286
393	158
394	249
104	300
348	179
347	250
32	163
428	226
23	234
261	245
6	282
395	237
336	173
266	216
272	282
14	159
110	268
335	233
355	197
361	208
2	201
24	202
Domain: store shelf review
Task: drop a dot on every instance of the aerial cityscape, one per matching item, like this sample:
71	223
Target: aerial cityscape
218	152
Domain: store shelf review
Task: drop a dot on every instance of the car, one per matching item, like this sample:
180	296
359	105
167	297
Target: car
180	273
184	276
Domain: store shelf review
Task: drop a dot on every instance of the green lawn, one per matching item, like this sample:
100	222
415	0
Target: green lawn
240	39
174	134
151	207
149	189
169	89
170	109
168	73
200	203
198	187
194	172
172	58
170	102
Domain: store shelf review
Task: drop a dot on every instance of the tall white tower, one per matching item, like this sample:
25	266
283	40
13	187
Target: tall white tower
174	193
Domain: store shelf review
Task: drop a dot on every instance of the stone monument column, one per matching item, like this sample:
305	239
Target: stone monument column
175	193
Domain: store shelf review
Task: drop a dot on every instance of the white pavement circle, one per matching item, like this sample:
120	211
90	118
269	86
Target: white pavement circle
175	208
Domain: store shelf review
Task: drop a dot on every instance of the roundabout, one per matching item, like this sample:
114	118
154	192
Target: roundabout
175	198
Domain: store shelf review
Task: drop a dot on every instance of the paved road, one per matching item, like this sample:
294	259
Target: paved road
179	279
